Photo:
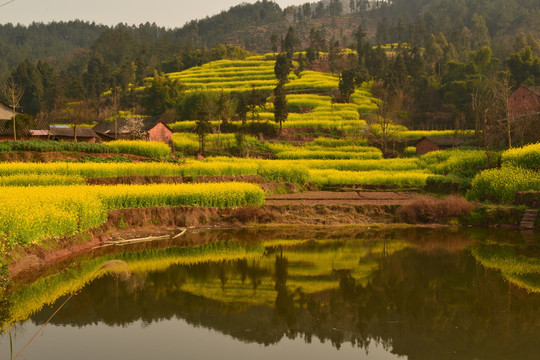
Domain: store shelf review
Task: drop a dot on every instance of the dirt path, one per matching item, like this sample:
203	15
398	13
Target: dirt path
345	198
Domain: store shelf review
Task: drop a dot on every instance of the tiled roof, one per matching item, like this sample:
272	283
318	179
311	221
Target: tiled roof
446	140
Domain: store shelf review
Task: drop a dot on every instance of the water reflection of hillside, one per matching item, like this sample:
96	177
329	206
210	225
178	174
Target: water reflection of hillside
422	300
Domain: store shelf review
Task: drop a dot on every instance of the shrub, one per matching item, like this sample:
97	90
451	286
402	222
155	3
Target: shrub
409	152
527	157
501	185
466	163
450	184
429	210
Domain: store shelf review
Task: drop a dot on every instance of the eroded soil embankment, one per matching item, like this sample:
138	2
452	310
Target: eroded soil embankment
135	223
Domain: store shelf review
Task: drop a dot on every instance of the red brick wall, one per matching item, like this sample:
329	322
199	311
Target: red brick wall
425	146
523	102
160	133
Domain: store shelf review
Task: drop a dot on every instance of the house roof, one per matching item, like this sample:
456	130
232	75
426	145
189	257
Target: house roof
535	90
446	140
40	132
107	128
69	132
6	127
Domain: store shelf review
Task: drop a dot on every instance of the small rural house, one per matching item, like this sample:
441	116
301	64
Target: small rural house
151	129
6	112
434	143
524	109
67	133
525	101
24	126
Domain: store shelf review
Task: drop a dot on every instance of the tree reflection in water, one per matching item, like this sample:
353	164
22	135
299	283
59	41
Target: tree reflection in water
416	299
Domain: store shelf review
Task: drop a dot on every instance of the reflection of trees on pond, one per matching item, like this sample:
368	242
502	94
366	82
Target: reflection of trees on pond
519	264
420	303
284	306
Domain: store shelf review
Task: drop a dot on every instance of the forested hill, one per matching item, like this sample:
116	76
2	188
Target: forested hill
44	41
252	25
504	19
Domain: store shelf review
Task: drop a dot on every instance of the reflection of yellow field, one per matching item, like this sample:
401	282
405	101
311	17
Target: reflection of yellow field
311	266
28	300
519	270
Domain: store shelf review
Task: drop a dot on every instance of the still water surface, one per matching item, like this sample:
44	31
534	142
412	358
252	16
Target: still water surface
289	293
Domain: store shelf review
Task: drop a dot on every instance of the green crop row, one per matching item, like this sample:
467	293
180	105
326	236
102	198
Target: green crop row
329	155
152	149
337	143
218	195
342	165
396	178
190	142
282	172
92	170
41	180
45	146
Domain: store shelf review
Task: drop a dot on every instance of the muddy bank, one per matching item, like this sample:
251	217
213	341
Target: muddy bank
137	223
184	216
170	221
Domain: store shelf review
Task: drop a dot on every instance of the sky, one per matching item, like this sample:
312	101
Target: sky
167	13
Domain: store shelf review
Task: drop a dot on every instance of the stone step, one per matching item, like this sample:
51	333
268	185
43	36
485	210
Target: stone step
529	218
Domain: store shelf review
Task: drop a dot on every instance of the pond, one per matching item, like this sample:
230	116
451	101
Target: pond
346	293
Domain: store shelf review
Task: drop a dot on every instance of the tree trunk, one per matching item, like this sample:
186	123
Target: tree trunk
219	135
14	127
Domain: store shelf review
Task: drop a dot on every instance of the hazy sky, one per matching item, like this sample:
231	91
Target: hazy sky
169	13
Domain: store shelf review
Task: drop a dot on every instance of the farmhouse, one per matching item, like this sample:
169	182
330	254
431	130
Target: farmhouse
24	124
67	133
434	143
6	113
151	129
525	101
524	110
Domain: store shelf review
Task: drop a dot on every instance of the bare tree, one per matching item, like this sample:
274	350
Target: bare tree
135	127
482	111
225	109
77	114
502	89
13	93
387	117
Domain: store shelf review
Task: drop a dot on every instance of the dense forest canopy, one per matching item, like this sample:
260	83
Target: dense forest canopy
57	41
437	52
